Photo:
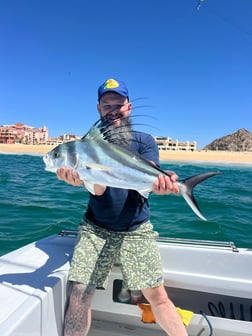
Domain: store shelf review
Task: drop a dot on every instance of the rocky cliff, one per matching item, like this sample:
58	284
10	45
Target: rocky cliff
240	141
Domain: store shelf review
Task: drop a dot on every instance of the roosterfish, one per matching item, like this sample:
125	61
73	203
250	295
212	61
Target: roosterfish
99	159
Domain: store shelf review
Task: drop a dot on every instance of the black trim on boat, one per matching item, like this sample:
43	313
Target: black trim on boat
67	232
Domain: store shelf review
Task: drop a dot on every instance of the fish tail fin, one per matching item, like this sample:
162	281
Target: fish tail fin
187	190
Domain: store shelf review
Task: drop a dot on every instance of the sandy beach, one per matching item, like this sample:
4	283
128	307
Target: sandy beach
211	156
25	149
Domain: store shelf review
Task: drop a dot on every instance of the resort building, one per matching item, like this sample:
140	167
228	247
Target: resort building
28	135
20	133
167	144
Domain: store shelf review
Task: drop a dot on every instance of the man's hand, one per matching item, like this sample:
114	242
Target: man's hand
69	176
165	184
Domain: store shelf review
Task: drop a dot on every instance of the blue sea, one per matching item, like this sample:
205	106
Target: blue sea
34	204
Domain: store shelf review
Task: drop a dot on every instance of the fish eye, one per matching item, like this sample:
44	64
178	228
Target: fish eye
56	155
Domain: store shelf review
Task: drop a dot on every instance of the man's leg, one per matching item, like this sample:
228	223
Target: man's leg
78	315
164	311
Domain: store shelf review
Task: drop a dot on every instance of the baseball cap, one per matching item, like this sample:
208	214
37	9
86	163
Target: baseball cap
113	85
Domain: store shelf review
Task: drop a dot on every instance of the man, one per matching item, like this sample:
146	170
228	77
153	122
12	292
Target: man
116	224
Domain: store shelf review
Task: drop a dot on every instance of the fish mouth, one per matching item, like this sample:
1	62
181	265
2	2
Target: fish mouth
46	159
48	163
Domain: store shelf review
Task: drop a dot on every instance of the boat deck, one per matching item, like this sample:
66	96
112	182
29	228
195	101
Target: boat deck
108	328
33	290
104	328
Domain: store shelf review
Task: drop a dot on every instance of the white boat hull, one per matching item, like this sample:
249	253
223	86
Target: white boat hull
210	278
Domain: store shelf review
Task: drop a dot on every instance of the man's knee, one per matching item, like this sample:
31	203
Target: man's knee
81	293
156	296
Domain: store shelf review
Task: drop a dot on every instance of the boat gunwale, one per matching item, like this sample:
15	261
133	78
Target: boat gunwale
181	241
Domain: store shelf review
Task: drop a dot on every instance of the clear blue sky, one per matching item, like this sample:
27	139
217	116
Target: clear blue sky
193	68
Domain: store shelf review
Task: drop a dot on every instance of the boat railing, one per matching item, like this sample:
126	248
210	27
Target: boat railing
195	242
68	232
198	242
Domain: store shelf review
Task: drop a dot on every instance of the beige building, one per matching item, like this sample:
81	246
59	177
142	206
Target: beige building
167	144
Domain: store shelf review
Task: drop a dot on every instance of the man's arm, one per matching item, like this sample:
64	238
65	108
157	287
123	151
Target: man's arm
149	150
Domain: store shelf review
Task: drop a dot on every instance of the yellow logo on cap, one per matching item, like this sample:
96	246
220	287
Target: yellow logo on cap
111	84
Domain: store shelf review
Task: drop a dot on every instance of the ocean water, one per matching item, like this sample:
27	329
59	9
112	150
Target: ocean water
34	204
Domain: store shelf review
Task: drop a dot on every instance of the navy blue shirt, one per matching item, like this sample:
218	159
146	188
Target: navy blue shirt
121	209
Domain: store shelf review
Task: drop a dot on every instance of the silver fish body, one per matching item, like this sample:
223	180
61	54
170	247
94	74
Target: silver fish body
105	164
98	161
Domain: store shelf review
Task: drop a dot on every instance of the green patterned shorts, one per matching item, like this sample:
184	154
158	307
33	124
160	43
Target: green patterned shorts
97	249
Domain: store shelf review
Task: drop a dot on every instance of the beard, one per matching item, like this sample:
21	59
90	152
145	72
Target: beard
119	131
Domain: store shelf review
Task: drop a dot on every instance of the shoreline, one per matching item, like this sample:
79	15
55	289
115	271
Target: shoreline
25	149
210	156
207	156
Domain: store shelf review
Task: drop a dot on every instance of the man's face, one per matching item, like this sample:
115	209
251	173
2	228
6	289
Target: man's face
113	106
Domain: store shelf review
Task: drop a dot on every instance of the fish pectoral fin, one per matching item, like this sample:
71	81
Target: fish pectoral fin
145	193
96	166
90	187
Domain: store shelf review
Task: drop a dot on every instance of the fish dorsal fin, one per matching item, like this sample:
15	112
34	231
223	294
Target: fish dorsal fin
95	132
104	130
